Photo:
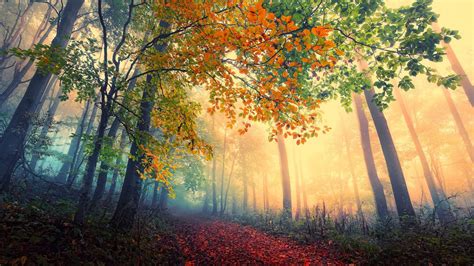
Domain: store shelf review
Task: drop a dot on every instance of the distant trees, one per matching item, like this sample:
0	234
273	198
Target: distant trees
14	136
439	199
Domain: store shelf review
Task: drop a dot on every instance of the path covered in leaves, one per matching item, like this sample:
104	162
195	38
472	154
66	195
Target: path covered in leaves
206	242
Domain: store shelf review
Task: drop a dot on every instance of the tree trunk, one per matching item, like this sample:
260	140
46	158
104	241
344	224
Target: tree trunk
285	176
460	125
127	206
21	71
223	172
376	185
104	166
73	147
18	75
214	192
458	69
297	186
397	179
12	141
91	165
439	201
118	162
80	156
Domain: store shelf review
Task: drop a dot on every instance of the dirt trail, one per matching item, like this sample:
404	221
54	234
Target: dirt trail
205	242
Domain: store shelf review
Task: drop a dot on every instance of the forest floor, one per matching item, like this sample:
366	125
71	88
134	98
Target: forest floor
206	241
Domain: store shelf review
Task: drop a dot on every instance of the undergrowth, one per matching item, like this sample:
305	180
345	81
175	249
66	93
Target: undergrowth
39	232
375	242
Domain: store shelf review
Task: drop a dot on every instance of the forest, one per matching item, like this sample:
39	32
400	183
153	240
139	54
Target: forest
255	132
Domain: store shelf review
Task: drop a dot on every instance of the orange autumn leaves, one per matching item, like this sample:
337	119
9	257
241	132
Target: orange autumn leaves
253	63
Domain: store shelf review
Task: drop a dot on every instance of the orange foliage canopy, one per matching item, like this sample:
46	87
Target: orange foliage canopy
252	63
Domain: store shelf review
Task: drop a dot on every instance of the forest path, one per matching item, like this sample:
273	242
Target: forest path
210	241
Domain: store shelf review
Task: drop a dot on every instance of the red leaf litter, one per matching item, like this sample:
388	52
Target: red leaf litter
205	242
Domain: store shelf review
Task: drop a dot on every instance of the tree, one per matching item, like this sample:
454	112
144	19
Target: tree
457	68
74	146
297	186
128	202
15	134
397	179
376	185
439	199
285	177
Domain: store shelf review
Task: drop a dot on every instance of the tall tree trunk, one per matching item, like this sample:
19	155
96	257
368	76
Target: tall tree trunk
458	69
73	147
111	135
285	176
118	162
397	179
297	186
439	201
223	172
91	165
460	125
104	166
127	206
376	185
214	192
11	143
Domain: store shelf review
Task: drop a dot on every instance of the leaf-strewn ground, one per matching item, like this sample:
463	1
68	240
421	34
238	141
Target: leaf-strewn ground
205	241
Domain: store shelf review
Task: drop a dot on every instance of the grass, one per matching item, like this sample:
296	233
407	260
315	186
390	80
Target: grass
360	242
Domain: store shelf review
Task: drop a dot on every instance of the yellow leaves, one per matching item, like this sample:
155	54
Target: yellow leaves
239	57
293	107
339	52
329	44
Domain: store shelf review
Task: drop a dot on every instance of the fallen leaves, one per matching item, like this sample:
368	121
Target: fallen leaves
220	242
